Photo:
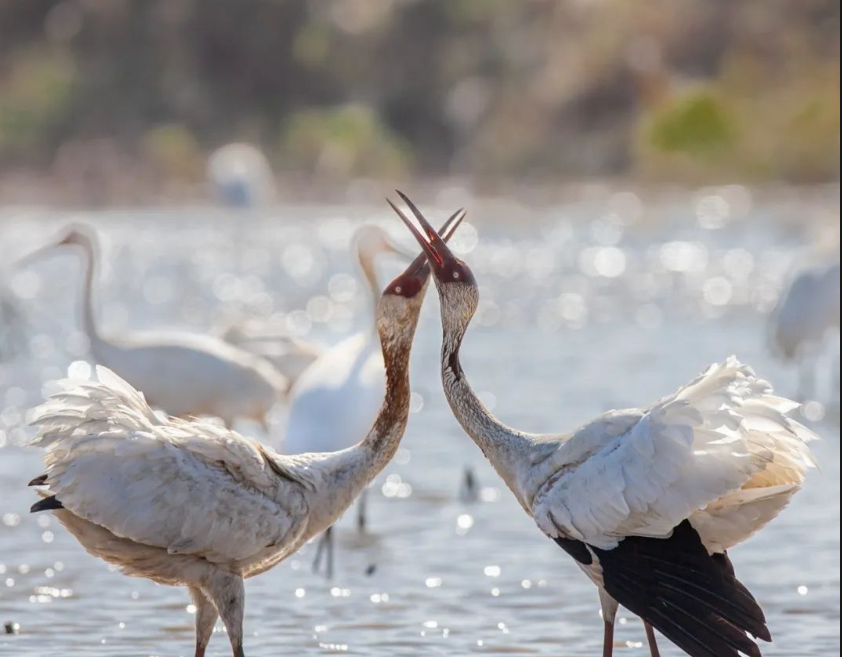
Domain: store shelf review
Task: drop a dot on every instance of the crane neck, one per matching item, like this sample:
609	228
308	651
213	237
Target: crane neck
383	441
501	444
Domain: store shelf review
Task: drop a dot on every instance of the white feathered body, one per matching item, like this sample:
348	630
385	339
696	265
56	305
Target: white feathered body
721	452
192	375
807	311
172	500
333	405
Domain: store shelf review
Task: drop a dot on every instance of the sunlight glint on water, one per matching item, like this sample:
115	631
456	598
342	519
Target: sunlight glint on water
580	318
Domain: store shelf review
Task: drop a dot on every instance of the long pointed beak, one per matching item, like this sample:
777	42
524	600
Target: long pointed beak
415	277
435	248
448	230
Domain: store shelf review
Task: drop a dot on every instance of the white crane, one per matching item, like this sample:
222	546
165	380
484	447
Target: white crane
189	503
241	176
335	400
648	502
186	375
807	313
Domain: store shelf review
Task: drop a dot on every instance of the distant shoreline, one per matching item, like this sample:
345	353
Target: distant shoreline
125	191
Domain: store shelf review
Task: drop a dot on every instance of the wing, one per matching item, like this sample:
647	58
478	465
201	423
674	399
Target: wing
688	451
187	487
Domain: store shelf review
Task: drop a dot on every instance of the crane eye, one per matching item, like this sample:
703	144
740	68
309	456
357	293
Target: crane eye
456	275
398	290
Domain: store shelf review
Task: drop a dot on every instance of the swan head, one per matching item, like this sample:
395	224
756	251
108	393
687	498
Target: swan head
77	235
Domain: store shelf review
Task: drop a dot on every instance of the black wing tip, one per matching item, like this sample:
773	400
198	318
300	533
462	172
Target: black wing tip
47	504
38	481
694	599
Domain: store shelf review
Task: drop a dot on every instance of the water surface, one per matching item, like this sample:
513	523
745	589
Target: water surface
598	305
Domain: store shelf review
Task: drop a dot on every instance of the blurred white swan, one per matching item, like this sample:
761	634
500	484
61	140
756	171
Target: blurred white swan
808	312
184	374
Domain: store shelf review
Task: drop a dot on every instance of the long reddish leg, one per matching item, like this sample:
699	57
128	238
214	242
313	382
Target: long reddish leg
653	642
608	645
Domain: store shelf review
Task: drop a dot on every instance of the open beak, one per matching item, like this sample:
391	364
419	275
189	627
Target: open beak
415	277
435	247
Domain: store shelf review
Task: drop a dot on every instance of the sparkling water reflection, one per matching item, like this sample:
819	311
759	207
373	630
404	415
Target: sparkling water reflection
593	306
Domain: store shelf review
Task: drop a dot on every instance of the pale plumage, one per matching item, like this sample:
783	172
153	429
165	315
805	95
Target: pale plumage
189	503
808	310
183	374
807	314
12	325
335	400
241	176
716	449
646	501
113	462
342	389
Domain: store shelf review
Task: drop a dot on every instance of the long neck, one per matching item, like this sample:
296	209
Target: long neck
382	442
501	444
88	318
366	263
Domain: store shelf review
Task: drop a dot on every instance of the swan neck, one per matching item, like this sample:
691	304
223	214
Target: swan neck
366	263
89	324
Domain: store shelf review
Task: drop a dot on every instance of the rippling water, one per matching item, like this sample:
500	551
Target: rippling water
598	305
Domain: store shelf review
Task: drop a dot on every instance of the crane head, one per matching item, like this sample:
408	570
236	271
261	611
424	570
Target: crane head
447	268
414	280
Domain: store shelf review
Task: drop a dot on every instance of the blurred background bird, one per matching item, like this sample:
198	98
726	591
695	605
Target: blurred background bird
805	319
241	177
183	374
13	325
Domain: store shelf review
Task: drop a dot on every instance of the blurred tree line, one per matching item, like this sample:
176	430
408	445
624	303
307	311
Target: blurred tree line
660	89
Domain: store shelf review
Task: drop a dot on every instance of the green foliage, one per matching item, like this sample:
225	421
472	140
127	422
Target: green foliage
174	152
343	141
538	88
696	124
34	100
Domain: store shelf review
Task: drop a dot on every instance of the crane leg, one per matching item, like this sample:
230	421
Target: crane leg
609	615
229	595
362	512
653	641
608	641
206	617
470	490
325	553
331	554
